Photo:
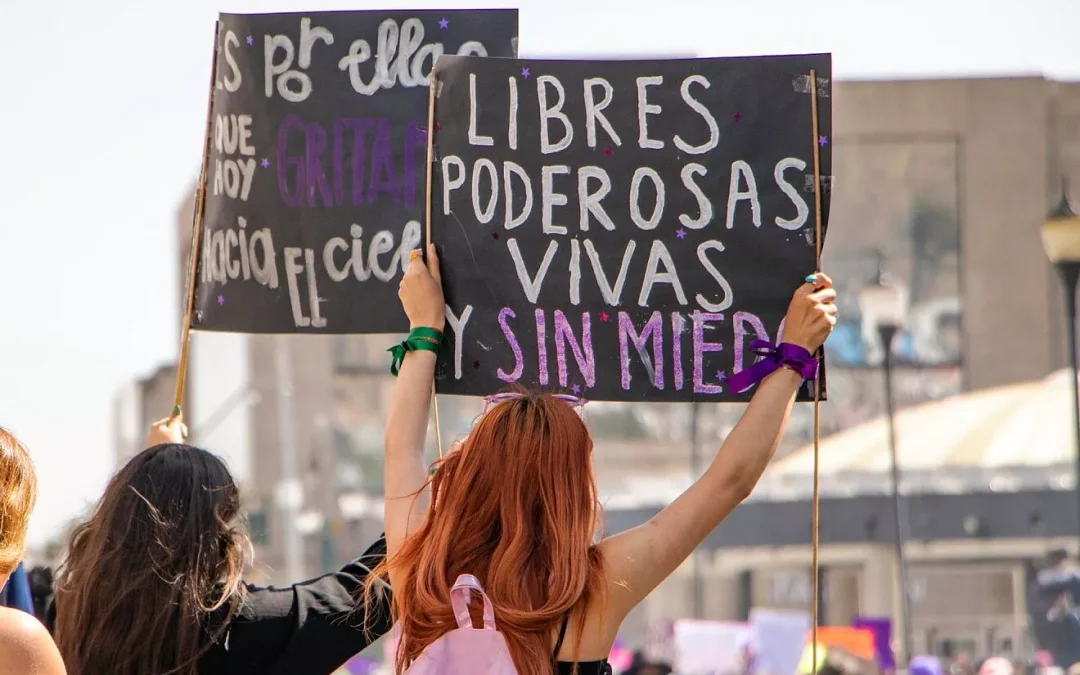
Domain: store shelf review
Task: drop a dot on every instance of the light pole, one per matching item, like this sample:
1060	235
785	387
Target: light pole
885	304
1061	239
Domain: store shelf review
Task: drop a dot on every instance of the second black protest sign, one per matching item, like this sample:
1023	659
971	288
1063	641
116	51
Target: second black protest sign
622	230
315	192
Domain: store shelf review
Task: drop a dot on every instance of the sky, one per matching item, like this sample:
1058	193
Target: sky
103	107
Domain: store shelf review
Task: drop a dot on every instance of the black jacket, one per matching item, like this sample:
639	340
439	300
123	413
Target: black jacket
309	628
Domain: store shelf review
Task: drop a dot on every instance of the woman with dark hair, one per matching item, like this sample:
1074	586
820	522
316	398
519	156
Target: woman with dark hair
515	504
152	582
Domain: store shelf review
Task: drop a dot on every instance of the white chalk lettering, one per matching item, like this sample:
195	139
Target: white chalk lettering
531	286
550	199
458	326
644	110
555	112
575	272
401	57
594	111
705	209
802	210
699	108
658	255
511	169
293	268
653	220
488	212
702	250
282	71
451	184
739	168
589	203
234	79
475	138
512	124
612	293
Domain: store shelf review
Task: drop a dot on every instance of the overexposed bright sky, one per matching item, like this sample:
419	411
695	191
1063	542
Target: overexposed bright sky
102	105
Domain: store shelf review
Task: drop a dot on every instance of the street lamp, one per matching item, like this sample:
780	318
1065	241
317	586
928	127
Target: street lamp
1061	239
885	304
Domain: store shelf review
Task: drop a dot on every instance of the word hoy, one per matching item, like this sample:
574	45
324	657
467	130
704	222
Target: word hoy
233	176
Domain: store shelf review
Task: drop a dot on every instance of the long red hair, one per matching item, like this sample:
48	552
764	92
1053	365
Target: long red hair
516	506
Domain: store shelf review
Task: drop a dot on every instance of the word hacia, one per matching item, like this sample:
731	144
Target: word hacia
232	255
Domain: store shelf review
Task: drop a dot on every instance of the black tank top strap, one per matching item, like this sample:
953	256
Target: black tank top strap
562	636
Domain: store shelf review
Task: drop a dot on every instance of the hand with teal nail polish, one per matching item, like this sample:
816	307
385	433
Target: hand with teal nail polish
810	278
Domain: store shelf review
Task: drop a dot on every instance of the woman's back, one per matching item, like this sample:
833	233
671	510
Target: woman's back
516	503
152	583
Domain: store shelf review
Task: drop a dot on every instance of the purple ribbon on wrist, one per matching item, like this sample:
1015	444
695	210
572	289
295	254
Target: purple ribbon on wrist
786	354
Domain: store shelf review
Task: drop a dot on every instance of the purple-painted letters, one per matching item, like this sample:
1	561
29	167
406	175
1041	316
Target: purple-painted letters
313	166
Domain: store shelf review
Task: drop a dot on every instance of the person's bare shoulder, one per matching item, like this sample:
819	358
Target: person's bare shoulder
26	648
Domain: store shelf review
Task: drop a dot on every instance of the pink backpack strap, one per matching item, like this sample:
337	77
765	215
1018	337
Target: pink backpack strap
461	594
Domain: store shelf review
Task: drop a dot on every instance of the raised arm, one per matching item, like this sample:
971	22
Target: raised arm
407	423
639	559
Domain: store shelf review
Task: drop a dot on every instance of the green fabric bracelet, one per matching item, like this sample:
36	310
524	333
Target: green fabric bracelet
420	339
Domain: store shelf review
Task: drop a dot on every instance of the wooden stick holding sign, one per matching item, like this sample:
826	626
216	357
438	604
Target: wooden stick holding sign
196	231
816	501
432	93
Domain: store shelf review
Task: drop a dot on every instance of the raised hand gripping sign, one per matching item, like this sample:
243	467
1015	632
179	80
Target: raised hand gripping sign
623	230
315	182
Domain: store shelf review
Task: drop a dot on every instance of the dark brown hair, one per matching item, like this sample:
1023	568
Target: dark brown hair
148	572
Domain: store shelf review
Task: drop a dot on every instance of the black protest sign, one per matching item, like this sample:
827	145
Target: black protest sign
315	190
622	230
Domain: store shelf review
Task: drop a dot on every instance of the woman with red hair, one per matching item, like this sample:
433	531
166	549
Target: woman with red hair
515	504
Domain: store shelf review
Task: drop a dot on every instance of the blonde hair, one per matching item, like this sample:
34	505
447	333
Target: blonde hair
18	492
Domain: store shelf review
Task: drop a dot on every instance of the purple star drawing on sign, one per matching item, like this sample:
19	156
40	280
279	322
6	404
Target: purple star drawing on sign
265	163
737	116
604	316
721	376
476	364
576	389
221	299
608	152
823	141
444	23
250	40
525	73
680	233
